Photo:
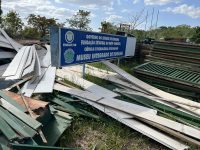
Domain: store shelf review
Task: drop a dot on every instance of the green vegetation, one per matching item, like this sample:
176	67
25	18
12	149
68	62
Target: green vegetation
12	24
80	20
38	26
105	134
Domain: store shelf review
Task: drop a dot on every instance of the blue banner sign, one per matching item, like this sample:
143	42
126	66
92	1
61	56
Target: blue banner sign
76	47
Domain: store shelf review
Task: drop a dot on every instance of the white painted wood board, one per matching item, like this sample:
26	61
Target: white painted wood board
133	108
126	119
135	111
87	85
155	91
83	94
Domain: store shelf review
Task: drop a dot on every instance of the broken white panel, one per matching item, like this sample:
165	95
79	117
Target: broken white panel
47	82
14	65
47	58
152	133
37	68
136	109
21	65
87	85
3	68
14	44
29	59
30	68
30	86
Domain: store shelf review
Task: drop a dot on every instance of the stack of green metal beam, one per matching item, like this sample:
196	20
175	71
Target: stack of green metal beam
170	76
177	53
174	67
20	131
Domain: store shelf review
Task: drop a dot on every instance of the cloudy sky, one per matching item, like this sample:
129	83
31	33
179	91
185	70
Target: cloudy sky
172	12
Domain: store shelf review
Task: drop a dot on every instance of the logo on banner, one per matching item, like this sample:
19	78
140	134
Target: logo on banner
69	36
69	55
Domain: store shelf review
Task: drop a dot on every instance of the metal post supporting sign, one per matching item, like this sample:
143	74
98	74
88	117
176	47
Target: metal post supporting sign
70	46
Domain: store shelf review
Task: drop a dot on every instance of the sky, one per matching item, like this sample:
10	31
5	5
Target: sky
171	12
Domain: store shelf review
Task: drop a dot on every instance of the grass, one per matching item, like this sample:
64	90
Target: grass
106	134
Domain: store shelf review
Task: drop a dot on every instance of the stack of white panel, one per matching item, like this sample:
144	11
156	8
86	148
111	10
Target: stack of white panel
32	61
8	47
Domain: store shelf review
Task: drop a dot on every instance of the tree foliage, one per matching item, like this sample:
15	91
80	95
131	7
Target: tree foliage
80	20
30	33
41	23
12	23
1	12
196	35
107	27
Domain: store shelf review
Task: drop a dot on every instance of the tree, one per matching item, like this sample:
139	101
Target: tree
107	27
30	33
12	23
196	36
80	20
137	19
1	12
41	23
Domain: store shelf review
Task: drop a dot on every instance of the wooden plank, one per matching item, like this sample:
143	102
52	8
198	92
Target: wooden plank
125	118
33	103
188	103
87	85
173	133
11	101
19	114
47	82
156	99
193	132
13	67
84	94
133	108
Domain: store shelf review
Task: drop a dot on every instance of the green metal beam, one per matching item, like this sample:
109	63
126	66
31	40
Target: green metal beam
32	147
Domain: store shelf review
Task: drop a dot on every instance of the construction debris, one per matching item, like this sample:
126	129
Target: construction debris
27	123
173	67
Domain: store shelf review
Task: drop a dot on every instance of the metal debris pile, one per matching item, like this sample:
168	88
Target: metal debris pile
169	119
27	123
173	67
